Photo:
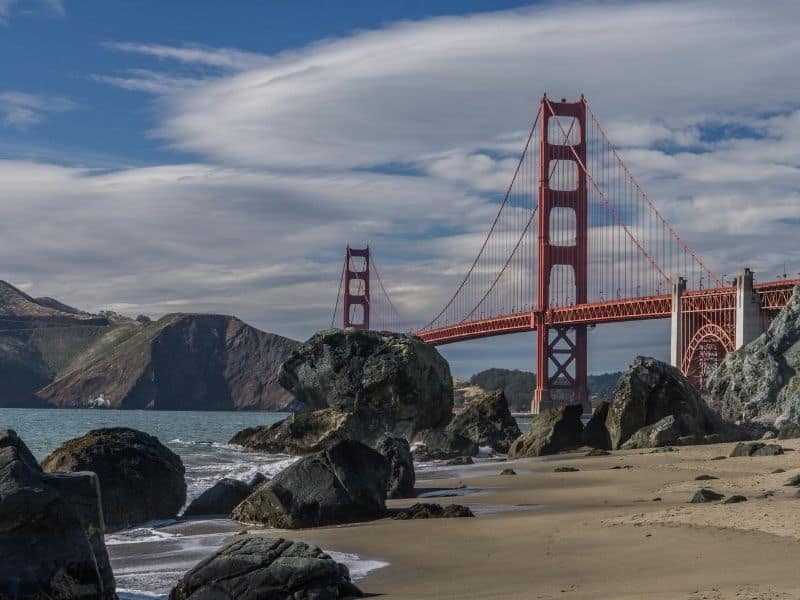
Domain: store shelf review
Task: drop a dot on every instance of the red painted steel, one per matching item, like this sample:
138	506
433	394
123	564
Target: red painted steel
359	297
561	359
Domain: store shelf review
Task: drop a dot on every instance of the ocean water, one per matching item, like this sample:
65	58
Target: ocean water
150	559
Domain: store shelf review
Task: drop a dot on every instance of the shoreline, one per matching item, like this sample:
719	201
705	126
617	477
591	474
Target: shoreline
594	533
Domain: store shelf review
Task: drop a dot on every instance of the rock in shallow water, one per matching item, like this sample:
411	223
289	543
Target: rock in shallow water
51	531
221	498
256	568
551	432
140	479
428	510
342	484
441	444
487	421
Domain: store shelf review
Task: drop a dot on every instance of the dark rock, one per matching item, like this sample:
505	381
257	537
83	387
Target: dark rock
767	494
442	444
719	457
595	434
651	390
565	470
756	449
661	433
508	472
183	361
598	452
303	433
706	495
394	383
401	466
760	382
427	510
788	431
140	479
779	470
793	481
551	432
657	499
735	499
345	483
51	531
220	499
664	449
705	478
257	480
487	421
622	467
461	460
252	567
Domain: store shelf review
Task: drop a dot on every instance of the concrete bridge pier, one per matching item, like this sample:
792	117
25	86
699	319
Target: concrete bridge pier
750	321
675	327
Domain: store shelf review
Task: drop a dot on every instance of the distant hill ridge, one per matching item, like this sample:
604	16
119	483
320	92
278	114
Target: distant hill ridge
52	354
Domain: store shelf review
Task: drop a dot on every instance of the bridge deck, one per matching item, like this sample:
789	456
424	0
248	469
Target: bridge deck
774	295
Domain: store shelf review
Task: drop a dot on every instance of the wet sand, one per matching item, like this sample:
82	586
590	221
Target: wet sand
595	533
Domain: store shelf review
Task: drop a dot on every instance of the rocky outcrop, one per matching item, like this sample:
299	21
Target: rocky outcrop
222	497
649	391
756	449
428	510
760	382
140	479
393	383
595	434
442	444
401	466
344	483
661	433
51	531
303	433
551	432
487	421
259	567
181	362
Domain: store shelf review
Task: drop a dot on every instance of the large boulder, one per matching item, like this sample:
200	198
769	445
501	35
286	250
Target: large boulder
649	391
303	433
392	382
661	433
401	466
595	434
140	479
254	567
442	444
487	421
760	382
219	499
344	483
551	432
51	531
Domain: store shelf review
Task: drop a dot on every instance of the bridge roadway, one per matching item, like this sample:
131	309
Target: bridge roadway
773	296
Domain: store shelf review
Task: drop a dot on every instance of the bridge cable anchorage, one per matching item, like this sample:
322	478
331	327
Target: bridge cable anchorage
644	195
492	228
607	202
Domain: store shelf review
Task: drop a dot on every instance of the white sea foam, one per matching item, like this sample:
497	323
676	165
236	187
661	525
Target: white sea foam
358	567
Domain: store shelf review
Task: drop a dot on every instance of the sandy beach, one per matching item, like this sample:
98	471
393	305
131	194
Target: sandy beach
595	533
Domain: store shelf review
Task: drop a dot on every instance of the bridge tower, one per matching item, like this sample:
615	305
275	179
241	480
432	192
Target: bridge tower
356	288
561	352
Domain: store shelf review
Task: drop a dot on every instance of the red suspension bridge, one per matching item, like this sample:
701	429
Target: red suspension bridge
577	242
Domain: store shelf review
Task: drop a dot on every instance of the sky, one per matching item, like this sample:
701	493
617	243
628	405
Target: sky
204	156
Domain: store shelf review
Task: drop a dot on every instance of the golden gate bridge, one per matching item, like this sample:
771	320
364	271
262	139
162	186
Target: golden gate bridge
576	242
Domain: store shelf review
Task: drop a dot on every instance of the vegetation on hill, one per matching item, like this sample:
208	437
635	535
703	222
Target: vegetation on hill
518	385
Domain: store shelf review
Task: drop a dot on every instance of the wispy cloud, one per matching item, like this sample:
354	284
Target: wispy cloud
54	7
5	10
22	110
223	58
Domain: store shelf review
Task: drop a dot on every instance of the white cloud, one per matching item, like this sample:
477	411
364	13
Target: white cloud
224	58
21	110
55	6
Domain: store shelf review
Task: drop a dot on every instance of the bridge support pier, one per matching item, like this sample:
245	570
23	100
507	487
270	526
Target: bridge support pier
676	341
749	318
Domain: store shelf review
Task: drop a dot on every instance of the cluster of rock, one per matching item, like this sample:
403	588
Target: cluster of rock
51	530
760	382
365	385
653	405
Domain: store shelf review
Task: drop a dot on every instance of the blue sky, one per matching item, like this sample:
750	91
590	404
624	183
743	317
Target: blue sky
206	156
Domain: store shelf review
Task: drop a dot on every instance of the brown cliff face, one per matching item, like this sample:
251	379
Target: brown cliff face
54	355
181	362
